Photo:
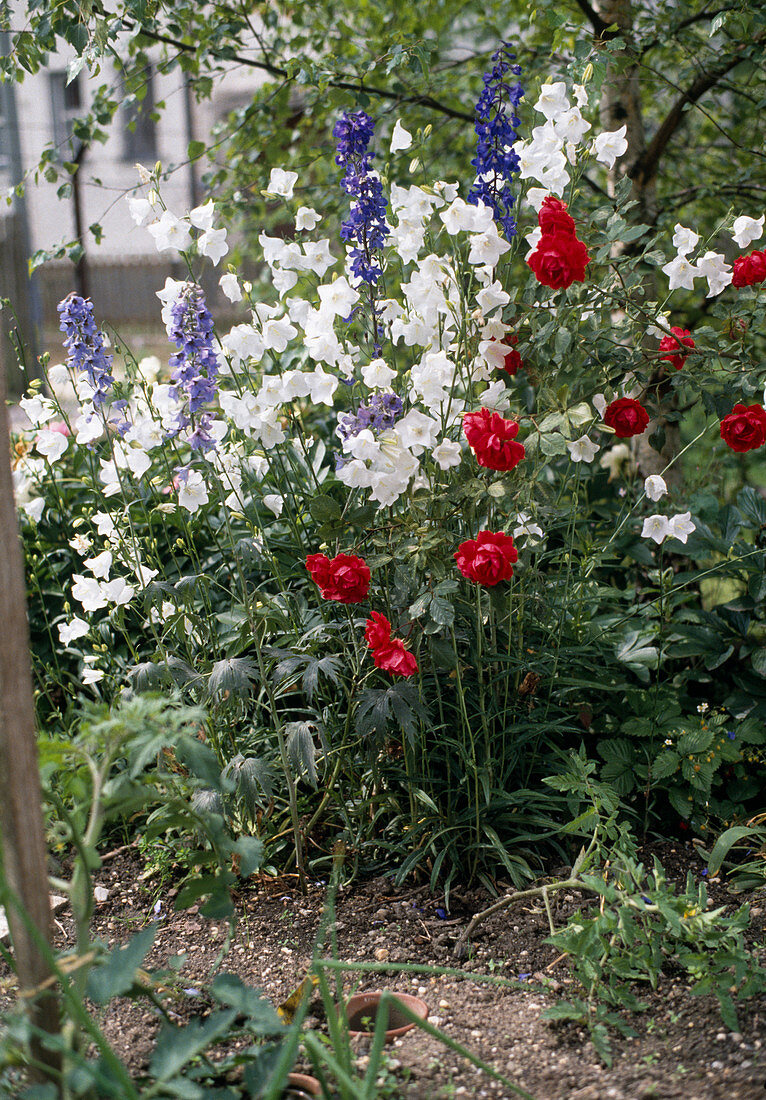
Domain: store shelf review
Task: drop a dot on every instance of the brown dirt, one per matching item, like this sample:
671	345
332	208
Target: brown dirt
681	1049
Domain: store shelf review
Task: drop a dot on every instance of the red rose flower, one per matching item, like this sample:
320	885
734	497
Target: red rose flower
671	346
749	270
378	631
559	260
345	578
513	361
487	559
493	439
744	428
627	416
553	217
388	653
396	659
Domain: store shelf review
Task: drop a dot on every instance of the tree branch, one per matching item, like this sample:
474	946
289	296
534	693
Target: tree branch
276	70
599	26
645	167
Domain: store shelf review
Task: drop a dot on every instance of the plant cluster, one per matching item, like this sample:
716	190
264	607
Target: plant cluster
355	463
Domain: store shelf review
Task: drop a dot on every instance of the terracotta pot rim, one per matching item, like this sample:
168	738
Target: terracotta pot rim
372	997
303	1081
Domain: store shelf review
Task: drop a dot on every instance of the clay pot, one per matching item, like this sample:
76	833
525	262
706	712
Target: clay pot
364	1006
300	1085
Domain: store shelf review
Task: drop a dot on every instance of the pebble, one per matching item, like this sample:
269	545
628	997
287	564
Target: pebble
381	953
443	1003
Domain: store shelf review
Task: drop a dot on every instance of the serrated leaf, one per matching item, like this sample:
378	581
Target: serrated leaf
177	1046
695	741
301	749
250	851
118	973
231	678
666	764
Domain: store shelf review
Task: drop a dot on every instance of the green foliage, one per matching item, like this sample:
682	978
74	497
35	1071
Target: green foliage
642	929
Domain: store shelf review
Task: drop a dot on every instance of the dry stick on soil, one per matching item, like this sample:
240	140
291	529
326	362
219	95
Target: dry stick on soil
509	899
21	821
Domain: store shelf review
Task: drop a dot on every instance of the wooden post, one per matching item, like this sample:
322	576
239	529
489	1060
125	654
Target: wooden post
21	820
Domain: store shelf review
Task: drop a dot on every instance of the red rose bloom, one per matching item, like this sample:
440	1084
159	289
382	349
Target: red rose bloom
671	346
493	439
378	631
744	428
559	260
346	578
553	217
513	361
749	270
487	559
627	416
396	659
388	653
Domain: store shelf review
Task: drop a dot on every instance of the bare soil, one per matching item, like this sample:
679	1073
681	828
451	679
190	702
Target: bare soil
681	1049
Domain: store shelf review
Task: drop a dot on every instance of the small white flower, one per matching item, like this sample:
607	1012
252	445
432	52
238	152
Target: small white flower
87	591
553	99
281	183
338	297
306	218
274	502
101	565
714	268
655	487
201	217
141	210
38	409
51	445
34	509
105	525
81	544
192	491
212	243
680	273
69	632
531	531
170	232
401	139
681	526
611	145
92	675
117	591
684	240
376	375
447	454
582	449
746	230
655	527
599	404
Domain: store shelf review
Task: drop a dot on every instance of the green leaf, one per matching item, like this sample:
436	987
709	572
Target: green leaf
195	149
695	741
118	973
726	842
177	1046
250	851
228	989
200	760
666	764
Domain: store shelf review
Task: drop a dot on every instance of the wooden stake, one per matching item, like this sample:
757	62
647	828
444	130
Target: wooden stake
21	820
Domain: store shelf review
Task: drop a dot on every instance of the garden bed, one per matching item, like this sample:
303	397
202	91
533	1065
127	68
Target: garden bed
681	1048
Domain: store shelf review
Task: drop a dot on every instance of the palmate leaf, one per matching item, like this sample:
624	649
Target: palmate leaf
301	749
253	778
231	678
377	706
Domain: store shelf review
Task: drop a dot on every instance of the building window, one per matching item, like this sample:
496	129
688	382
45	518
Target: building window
140	131
66	108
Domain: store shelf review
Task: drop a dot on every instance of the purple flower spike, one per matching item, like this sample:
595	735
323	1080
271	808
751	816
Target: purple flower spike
85	344
195	363
495	161
366	224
